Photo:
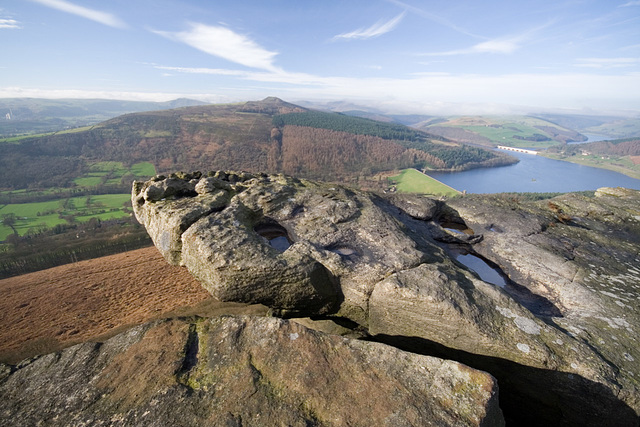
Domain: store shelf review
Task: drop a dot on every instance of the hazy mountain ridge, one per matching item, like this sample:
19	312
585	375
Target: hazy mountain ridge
34	115
519	131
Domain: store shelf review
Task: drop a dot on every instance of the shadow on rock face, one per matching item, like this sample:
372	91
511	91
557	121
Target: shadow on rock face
533	396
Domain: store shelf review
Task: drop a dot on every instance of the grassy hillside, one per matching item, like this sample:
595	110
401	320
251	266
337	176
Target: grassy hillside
512	131
611	126
413	181
621	128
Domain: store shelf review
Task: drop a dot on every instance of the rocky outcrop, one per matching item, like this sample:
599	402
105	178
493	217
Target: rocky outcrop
560	336
297	246
243	371
574	262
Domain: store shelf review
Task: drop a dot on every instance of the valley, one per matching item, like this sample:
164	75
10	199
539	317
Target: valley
81	208
95	166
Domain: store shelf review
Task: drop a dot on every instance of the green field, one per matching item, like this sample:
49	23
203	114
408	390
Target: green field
17	139
413	181
112	173
513	131
37	216
504	135
32	217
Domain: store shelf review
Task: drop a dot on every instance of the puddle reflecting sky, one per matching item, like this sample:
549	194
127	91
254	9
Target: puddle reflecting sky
281	243
486	273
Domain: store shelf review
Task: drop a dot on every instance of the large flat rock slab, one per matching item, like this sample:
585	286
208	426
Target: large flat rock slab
243	371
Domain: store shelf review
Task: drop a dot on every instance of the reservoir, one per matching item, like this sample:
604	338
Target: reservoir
535	174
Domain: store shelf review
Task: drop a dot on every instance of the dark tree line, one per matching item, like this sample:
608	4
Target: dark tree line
351	124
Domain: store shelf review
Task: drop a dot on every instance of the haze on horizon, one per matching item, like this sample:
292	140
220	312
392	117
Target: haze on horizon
435	57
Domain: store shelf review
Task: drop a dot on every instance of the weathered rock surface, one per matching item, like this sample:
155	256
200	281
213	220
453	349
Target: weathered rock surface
339	243
561	336
575	262
243	371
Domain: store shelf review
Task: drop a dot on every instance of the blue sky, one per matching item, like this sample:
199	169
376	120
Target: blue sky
398	55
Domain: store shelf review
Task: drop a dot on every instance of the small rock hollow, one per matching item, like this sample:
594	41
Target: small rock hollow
346	253
488	273
275	234
456	227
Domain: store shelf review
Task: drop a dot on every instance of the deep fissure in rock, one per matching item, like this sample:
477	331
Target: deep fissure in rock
191	350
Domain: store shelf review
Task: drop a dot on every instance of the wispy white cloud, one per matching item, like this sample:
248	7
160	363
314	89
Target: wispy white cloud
496	46
30	92
201	70
433	17
275	76
630	3
500	45
376	30
605	63
225	43
10	24
95	15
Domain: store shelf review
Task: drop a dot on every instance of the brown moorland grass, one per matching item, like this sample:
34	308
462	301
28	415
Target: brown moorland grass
91	300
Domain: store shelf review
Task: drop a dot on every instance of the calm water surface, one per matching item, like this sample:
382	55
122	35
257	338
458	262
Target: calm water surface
535	174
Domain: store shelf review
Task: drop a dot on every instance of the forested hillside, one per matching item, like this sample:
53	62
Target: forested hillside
617	147
347	144
351	124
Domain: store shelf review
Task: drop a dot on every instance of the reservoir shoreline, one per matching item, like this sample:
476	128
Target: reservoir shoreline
535	174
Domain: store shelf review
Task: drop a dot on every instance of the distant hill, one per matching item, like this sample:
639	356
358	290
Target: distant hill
20	116
611	126
620	155
236	137
369	113
515	131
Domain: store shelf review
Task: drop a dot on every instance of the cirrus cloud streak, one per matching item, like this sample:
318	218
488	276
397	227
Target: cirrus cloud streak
84	12
224	43
10	24
376	30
